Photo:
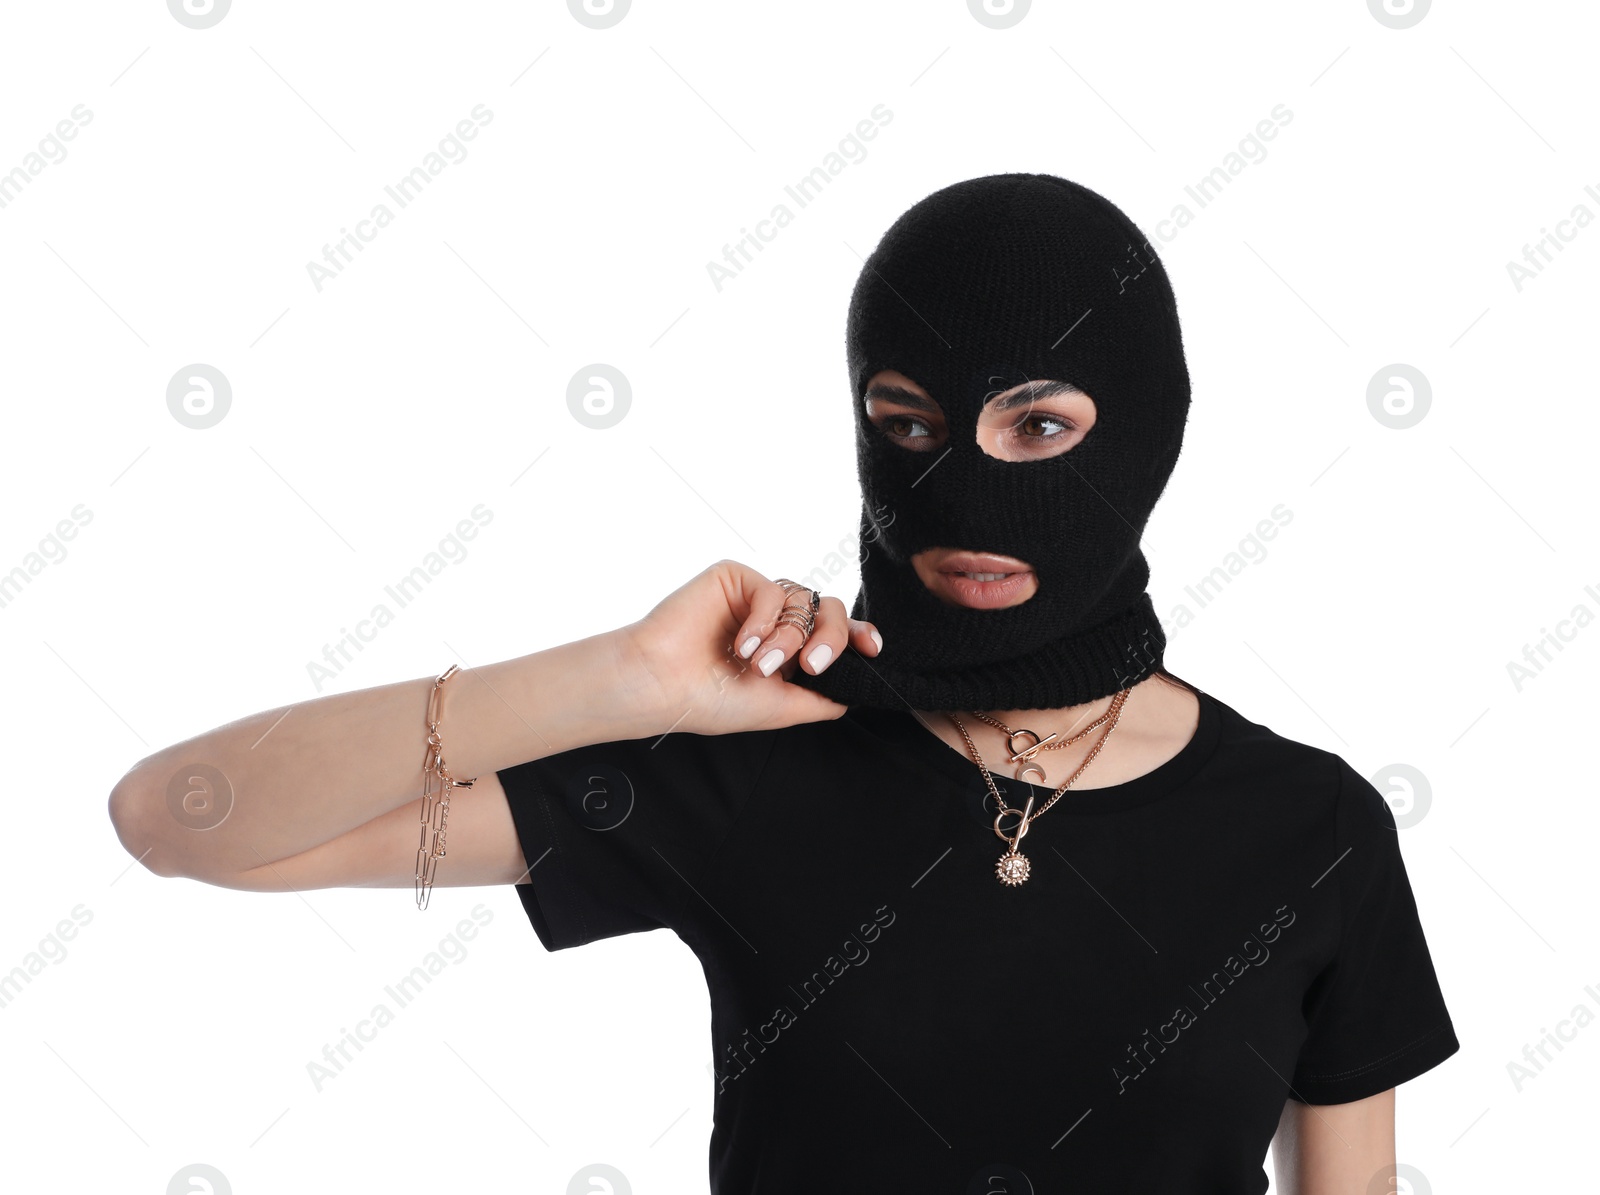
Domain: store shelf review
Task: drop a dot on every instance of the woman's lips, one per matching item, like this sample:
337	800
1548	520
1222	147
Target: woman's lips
979	580
984	595
981	562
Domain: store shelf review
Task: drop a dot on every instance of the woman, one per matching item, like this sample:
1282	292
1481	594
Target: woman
1209	943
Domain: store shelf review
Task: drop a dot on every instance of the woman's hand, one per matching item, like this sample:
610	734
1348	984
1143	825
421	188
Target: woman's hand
710	659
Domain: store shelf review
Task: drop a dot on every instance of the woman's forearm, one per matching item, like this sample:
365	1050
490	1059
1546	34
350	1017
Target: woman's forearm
285	780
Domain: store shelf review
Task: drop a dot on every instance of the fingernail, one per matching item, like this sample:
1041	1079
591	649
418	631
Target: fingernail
770	661
749	646
819	657
877	638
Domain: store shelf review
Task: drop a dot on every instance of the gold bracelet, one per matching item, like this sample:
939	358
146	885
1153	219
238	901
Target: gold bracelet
435	801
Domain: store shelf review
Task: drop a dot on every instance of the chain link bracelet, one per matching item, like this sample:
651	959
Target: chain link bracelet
436	785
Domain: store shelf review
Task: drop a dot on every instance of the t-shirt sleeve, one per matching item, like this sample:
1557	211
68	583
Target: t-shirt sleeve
618	836
1375	1014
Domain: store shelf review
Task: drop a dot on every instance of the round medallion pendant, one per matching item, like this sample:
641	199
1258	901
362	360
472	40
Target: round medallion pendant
1012	868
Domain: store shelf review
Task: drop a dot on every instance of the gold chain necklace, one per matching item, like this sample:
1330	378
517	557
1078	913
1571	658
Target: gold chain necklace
1012	867
1024	756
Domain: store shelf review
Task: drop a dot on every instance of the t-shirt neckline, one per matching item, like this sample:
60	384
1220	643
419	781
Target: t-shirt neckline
915	742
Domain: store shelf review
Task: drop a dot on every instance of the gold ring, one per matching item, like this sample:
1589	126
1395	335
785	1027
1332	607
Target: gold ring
802	617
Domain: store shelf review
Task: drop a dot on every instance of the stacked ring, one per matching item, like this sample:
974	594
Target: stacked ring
802	617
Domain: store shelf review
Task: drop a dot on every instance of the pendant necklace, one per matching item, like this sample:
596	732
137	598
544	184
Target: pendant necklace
1013	868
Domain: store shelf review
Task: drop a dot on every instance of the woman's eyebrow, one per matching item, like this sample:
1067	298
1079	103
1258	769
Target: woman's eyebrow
899	394
1030	394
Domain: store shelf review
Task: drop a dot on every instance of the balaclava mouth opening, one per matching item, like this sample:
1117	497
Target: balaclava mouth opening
980	287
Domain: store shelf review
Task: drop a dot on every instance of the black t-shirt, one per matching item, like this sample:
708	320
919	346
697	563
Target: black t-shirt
1192	948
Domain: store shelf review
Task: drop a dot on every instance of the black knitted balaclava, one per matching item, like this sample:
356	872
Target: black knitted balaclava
980	287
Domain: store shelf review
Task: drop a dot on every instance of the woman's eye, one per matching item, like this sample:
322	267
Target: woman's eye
905	427
1029	425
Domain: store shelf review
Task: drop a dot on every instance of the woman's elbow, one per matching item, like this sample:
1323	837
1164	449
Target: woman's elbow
135	817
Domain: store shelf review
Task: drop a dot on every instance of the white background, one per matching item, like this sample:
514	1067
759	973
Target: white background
431	375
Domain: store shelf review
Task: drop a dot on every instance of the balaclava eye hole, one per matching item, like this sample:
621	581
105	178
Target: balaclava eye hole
997	422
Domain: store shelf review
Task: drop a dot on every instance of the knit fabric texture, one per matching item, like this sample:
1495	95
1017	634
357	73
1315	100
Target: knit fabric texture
980	287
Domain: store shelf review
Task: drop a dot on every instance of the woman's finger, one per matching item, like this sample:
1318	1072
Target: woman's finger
777	640
766	603
865	637
828	638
